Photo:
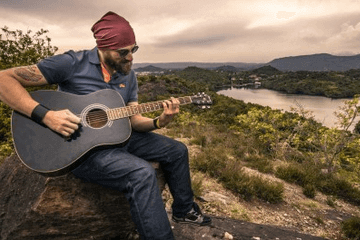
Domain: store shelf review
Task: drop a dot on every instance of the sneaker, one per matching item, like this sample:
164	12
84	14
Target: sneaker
194	216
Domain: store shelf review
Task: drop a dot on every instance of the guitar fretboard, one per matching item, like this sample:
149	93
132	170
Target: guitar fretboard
117	113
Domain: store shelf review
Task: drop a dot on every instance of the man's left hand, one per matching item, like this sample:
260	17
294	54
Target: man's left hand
171	107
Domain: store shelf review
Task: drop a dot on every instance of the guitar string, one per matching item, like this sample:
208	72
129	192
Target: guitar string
98	117
103	117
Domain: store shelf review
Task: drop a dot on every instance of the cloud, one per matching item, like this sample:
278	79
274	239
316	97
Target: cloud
284	14
348	37
211	34
203	30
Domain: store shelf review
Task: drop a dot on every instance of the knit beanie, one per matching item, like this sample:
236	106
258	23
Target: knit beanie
113	32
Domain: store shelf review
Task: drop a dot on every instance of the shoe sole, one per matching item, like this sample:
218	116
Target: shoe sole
196	223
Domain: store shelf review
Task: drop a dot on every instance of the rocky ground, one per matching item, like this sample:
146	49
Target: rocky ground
259	220
226	228
296	214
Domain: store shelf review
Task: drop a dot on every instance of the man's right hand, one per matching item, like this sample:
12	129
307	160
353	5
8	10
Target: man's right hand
63	122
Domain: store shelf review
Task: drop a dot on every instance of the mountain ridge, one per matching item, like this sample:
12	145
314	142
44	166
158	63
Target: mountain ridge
316	62
312	62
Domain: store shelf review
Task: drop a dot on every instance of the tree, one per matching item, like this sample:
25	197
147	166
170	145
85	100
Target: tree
337	144
17	49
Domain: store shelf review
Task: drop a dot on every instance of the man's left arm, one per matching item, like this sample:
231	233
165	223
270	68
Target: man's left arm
144	124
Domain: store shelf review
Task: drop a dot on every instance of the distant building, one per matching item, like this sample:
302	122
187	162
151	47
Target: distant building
254	77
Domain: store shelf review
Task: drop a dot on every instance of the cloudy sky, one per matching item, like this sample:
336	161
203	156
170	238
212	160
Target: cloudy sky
253	31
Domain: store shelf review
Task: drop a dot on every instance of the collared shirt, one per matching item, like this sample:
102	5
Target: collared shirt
80	73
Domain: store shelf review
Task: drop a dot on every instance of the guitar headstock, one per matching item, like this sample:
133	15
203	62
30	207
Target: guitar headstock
202	100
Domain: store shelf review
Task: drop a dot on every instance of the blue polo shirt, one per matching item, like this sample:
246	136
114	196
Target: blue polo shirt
80	73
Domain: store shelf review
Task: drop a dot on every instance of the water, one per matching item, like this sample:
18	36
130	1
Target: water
322	108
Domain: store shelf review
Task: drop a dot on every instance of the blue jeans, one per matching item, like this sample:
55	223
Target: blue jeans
126	169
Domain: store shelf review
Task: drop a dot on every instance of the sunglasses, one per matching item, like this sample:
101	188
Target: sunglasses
124	52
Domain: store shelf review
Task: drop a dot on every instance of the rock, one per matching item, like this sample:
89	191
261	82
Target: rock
228	236
36	207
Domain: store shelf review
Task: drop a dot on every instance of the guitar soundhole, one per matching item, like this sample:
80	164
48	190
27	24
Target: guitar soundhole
96	118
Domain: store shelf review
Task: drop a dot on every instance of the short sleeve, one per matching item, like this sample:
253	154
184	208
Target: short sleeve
58	68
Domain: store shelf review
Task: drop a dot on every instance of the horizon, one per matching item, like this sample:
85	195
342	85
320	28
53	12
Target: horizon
249	62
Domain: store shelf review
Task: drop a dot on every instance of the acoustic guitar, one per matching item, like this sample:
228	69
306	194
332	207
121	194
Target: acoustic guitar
104	121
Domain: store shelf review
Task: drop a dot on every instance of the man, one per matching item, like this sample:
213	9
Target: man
122	168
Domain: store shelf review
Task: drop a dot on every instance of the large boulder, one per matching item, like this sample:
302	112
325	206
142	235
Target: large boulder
33	206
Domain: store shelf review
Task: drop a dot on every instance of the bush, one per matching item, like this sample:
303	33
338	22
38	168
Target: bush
351	228
211	160
261	163
18	48
332	185
197	185
292	173
216	163
331	201
311	178
309	191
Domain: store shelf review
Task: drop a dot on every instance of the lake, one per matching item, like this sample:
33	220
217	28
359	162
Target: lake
323	108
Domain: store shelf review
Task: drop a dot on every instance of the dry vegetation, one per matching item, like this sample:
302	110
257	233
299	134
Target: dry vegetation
320	216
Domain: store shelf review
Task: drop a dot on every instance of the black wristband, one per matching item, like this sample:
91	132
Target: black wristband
39	113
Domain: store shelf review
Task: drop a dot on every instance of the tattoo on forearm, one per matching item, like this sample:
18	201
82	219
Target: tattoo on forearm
28	73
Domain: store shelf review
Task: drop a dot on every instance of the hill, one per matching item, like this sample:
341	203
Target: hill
228	68
317	62
183	65
267	70
150	68
314	62
202	76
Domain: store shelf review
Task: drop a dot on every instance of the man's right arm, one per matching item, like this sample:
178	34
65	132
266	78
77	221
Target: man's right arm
13	93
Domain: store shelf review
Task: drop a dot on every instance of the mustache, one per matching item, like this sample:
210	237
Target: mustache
126	61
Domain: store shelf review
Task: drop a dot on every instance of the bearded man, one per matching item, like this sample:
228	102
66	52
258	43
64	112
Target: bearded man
126	168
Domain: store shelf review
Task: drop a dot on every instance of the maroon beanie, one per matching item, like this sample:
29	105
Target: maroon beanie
113	32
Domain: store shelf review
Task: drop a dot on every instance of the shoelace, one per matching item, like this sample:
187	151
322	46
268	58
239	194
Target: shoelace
195	213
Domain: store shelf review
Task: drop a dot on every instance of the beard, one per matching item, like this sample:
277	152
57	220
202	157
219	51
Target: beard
123	66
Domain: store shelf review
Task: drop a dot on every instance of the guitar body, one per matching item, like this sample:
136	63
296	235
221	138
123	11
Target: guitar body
47	152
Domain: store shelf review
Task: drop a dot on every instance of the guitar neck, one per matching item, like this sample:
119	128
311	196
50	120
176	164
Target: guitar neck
117	113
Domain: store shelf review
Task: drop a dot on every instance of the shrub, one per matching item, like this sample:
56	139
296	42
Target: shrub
351	228
292	173
260	163
197	185
216	163
331	201
332	185
309	191
211	161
